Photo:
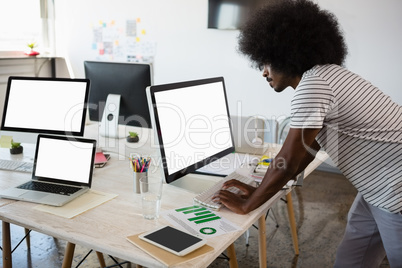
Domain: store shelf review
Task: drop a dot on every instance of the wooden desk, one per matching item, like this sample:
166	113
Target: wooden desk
105	228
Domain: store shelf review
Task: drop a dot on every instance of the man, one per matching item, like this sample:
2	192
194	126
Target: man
299	45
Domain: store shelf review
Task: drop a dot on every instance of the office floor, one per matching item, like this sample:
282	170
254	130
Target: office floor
321	206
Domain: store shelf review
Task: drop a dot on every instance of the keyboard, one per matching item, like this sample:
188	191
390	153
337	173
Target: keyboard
49	188
16	165
205	198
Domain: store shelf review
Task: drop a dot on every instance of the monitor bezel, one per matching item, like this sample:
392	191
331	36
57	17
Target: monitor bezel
156	124
46	131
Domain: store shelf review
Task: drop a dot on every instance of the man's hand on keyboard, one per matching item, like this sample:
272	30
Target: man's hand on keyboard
234	201
245	189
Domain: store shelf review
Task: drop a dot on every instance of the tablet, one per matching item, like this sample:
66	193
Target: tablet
173	240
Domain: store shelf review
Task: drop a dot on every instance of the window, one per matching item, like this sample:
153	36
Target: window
26	21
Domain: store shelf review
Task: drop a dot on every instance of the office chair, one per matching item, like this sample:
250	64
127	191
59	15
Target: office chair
283	130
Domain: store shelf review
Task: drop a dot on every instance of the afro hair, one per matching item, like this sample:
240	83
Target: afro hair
292	36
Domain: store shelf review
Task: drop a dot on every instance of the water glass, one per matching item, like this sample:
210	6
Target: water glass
151	193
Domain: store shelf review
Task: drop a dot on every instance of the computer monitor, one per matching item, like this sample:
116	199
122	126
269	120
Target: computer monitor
45	105
191	120
118	95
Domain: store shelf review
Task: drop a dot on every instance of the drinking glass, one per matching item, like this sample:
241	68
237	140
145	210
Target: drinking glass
151	193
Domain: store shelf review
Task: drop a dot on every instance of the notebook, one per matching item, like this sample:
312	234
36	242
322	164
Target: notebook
62	171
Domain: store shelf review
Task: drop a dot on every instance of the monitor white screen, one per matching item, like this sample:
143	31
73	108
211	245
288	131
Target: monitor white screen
193	124
46	105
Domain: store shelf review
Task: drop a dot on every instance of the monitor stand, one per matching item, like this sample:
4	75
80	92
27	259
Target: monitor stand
109	126
196	183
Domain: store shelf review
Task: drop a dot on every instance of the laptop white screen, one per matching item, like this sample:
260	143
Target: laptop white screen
66	160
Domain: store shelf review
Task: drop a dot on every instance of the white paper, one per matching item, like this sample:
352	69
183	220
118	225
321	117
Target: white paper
201	221
79	205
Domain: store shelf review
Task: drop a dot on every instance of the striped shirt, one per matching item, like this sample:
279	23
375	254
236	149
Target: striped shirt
361	130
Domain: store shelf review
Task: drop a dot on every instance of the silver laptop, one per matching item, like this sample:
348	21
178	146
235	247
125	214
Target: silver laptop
62	171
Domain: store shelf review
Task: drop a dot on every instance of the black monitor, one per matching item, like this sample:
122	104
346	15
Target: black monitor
118	92
45	105
192	123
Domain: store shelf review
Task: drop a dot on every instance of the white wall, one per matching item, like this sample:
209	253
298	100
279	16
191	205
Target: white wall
186	49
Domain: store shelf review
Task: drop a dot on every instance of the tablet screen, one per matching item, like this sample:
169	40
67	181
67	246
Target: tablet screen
172	238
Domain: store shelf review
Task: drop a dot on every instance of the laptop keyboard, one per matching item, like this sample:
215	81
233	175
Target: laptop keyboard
49	188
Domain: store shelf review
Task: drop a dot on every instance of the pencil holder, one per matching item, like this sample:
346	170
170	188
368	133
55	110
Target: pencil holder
140	167
137	177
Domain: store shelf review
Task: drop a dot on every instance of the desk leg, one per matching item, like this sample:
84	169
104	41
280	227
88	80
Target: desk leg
7	260
68	255
232	256
101	259
262	249
27	238
292	222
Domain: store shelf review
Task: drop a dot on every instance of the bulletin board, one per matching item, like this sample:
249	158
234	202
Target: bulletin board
122	41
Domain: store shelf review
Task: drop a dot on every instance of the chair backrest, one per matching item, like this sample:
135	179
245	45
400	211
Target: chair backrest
283	130
271	130
246	128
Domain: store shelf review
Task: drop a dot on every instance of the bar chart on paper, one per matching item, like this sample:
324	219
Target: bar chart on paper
199	220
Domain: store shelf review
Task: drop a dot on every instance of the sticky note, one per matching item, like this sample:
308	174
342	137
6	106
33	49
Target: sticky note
5	141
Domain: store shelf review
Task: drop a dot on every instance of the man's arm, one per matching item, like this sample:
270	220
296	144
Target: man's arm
297	152
315	147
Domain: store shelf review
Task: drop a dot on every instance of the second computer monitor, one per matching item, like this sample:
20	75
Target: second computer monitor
192	122
126	80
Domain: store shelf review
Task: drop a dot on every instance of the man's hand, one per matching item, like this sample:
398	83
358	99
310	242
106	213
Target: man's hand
233	201
246	189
